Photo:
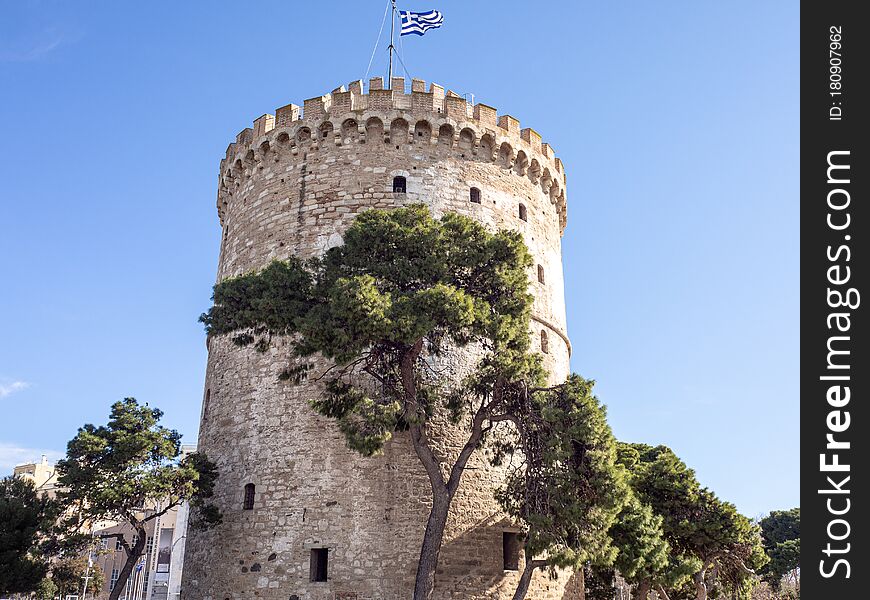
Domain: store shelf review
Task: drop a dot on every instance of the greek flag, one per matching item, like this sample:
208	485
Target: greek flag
418	23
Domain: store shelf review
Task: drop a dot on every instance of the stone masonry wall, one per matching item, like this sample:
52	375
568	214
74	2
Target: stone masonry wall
290	186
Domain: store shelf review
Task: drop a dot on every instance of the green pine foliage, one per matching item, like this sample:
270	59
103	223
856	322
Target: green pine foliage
68	574
708	538
569	489
402	286
26	522
642	551
781	534
130	471
382	309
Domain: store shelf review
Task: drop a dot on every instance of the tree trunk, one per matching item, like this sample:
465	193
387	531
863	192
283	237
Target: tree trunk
643	589
424	583
526	578
700	586
133	555
442	491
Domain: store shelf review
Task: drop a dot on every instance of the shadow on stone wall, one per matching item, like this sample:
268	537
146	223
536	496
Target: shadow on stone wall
471	566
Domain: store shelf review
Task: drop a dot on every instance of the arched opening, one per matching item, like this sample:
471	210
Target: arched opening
474	195
535	170
349	130
540	273
523	213
545	343
422	131
248	503
374	130
400	185
546	181
505	154
445	135
487	147
326	130
466	140
521	164
399	132
303	135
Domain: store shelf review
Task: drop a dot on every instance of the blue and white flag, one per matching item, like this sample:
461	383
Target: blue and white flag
418	23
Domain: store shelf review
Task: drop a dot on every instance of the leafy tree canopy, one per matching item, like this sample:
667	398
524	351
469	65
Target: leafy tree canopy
46	589
702	530
68	573
780	531
639	539
130	471
383	308
402	285
568	489
781	526
26	519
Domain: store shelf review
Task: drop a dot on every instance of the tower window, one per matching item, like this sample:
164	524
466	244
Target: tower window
511	550
523	213
474	195
540	273
400	185
545	343
319	564
249	497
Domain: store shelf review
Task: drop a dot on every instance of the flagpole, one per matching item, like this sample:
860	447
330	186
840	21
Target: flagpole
392	27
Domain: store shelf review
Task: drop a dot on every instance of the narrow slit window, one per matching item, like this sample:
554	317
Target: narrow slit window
474	195
540	273
511	551
545	343
249	497
523	213
400	185
319	564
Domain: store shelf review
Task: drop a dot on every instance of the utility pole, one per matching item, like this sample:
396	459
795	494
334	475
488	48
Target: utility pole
87	576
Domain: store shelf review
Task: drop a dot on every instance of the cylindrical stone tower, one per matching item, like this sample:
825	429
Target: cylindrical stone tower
305	518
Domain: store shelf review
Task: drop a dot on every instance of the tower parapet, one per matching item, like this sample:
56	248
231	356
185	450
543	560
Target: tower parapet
432	118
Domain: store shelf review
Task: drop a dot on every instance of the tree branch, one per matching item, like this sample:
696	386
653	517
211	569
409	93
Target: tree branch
477	431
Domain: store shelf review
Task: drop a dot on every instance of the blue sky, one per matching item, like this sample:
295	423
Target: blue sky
677	122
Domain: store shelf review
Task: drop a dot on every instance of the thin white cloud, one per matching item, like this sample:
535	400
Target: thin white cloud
9	388
11	456
38	46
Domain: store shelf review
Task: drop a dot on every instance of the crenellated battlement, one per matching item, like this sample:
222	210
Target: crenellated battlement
436	117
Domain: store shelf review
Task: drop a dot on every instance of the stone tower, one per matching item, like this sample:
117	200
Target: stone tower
298	505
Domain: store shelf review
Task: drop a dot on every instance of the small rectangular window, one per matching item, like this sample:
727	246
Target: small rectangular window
319	564
511	550
400	185
248	502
